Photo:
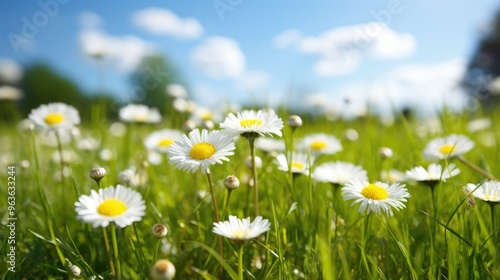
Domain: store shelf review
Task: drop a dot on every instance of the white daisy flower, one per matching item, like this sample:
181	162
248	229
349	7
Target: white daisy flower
339	173
200	150
119	205
252	123
450	146
176	91
133	177
88	144
160	140
55	116
138	113
300	163
241	230
392	176
376	196
488	191
433	173
320	143
10	93
270	145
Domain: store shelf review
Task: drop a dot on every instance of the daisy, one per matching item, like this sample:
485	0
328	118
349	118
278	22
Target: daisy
160	140
450	146
392	175
339	173
376	196
242	230
488	191
321	143
300	163
119	205
138	113
253	124
433	174
55	116
270	145
200	150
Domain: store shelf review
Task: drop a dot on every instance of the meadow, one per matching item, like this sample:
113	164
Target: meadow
442	232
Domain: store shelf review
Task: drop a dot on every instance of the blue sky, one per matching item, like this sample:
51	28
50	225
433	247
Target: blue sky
393	52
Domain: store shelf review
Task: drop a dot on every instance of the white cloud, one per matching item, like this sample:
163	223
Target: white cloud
219	57
123	52
425	87
90	19
341	50
253	80
165	22
287	38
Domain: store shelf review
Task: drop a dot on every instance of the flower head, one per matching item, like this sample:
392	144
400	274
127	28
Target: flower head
252	123
162	270
376	196
55	116
160	140
488	191
450	146
300	162
321	143
339	173
138	113
200	150
433	173
119	205
241	230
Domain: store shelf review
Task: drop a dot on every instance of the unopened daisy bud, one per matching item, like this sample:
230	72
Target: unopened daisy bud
75	270
163	270
188	125
294	121
159	230
385	152
231	182
97	173
258	162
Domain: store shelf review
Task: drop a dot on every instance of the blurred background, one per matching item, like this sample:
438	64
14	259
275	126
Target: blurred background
339	58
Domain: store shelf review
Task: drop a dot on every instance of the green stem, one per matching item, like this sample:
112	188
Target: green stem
433	233
115	252
477	168
251	141
240	263
290	159
226	203
108	250
364	241
155	255
46	205
216	211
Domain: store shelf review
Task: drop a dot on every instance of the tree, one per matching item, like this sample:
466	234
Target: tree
482	78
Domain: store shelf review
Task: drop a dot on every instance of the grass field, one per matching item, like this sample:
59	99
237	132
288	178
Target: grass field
315	234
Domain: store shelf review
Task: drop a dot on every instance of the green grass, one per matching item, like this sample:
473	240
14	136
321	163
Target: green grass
314	233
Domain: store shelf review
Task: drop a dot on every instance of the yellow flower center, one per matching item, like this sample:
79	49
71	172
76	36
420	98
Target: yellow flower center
141	118
297	165
491	197
165	142
250	123
318	145
207	116
54	118
446	149
374	192
239	234
202	151
111	208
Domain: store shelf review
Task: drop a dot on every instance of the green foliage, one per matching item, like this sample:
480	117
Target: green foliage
315	234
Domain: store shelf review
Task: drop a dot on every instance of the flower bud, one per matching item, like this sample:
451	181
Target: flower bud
97	173
231	182
163	270
159	230
294	121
